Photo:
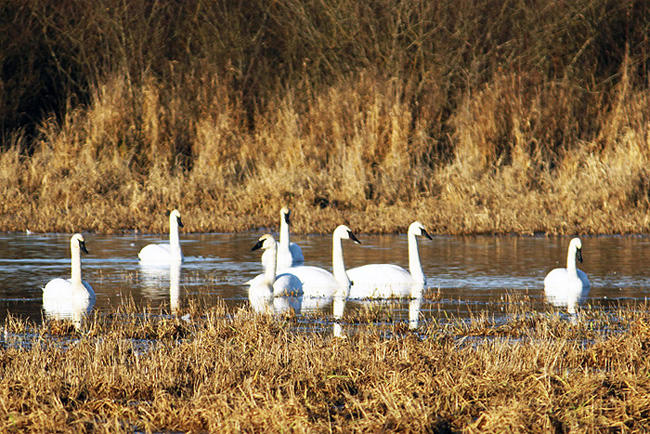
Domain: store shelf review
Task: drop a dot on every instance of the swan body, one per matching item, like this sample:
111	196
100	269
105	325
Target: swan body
69	298
567	287
288	254
318	282
388	280
167	253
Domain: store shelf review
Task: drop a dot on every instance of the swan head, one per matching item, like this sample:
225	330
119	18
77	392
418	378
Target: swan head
343	232
78	240
285	214
176	214
417	228
577	245
266	241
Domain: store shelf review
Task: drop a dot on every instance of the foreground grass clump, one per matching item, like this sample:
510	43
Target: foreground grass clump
242	371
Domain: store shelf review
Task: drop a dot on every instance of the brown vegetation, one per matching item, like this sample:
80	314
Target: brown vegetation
481	116
247	372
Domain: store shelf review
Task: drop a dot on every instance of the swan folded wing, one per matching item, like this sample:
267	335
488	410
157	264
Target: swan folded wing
316	282
155	254
255	281
380	281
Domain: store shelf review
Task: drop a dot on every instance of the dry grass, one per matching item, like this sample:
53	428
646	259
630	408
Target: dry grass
247	372
484	117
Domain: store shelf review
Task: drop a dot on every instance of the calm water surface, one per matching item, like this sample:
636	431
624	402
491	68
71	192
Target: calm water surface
470	274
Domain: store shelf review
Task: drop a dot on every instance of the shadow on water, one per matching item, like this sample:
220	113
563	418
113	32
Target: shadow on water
465	275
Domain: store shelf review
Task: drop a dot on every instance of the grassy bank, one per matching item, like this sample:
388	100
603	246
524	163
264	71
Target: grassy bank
251	373
474	117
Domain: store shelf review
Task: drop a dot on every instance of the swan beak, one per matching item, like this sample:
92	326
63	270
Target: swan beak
180	223
353	238
579	255
82	246
426	234
258	245
287	219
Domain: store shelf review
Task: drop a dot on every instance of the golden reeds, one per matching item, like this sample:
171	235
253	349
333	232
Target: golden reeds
474	117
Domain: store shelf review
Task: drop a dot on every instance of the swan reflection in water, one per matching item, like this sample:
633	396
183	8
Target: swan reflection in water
277	305
338	307
415	305
154	279
339	304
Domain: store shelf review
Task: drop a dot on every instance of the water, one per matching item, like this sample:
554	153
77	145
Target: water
467	274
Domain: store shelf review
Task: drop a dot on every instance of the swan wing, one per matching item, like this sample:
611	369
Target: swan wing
255	281
156	254
316	282
380	281
57	288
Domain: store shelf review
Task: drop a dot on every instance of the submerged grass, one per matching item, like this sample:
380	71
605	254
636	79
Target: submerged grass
240	371
478	116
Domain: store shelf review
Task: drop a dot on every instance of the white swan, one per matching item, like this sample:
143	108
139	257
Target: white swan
165	254
70	298
269	284
567	286
271	293
388	280
288	254
318	282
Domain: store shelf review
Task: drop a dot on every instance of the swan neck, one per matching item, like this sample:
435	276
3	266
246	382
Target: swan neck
571	260
284	233
270	266
415	267
174	242
75	264
338	267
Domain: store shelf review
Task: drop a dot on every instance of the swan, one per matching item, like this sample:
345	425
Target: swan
270	284
288	253
388	280
567	286
70	298
165	254
318	282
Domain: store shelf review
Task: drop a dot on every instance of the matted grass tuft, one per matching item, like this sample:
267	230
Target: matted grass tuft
213	370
